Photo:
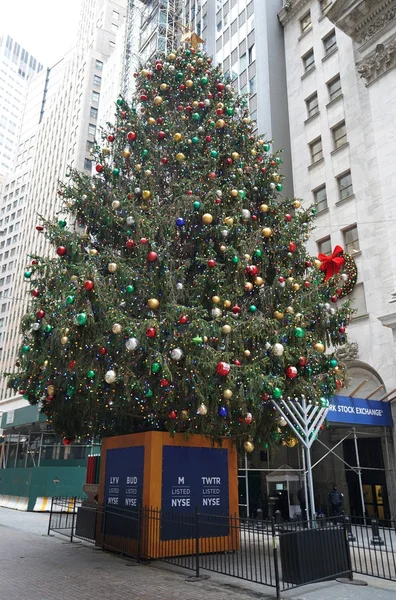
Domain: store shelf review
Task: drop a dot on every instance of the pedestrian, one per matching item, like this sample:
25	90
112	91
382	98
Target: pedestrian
336	499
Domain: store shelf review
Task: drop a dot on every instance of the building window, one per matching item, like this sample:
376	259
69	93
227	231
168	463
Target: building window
95	96
91	129
334	87
358	298
111	45
234	27
320	198
345	188
351	240
324	245
87	164
306	22
316	150
325	5
312	105
339	135
252	53
308	61
116	15
242	63
93	112
89	146
114	27
330	42
97	80
99	65
252	85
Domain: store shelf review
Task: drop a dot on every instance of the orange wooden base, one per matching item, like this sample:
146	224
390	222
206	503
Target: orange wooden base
151	544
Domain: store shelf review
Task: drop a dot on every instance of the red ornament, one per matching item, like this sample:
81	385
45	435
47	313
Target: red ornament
208	138
34	262
248	418
201	104
131	136
180	107
281	279
99	168
151	332
291	372
66	441
164	160
308	264
211	263
71	365
35	293
183	319
220	87
40	314
288	218
252	270
229	161
129	244
143	240
159	66
237	362
212	175
292	247
342	329
223	368
39	227
334	299
189	193
302	361
307	284
182	87
152	256
265	397
110	138
102	351
332	264
236	309
164	382
143	98
161	135
61	251
172	415
160	120
89	285
218	201
219	111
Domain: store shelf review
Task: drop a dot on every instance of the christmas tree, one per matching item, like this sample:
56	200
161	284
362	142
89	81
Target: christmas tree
185	299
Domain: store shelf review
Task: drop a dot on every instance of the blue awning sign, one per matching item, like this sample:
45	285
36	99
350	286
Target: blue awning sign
358	411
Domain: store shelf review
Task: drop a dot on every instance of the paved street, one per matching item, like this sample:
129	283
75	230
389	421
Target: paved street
34	566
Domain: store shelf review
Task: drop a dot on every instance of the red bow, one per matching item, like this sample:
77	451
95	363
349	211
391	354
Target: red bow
333	263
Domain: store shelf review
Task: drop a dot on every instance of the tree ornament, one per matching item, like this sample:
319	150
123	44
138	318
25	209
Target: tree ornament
132	344
207	218
291	372
88	285
25	349
61	251
66	441
110	376
222	412
112	267
277	393
151	332
152	256
266	231
90	374
248	446
40	314
36	326
333	363
116	328
130	288
82	318
102	351
172	415
153	303
64	340
319	347
223	368
180	222
299	332
248	418
158	100
176	354
277	349
116	204
226	329
202	410
236	309
156	368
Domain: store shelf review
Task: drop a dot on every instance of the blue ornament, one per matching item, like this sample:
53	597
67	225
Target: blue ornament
223	411
179	222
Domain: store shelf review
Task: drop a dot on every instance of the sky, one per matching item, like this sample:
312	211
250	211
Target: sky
45	28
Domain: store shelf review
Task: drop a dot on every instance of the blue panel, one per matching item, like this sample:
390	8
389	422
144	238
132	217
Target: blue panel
358	411
194	479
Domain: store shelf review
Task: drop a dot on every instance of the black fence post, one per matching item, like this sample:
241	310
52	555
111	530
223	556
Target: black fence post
196	542
104	527
348	536
74	499
139	531
275	555
50	516
377	540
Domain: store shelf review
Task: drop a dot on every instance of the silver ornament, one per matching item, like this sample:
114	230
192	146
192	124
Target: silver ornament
131	344
344	277
36	326
130	221
224	233
110	376
138	191
246	214
277	349
115	205
272	185
177	354
179	286
219	193
202	409
207	102
216	312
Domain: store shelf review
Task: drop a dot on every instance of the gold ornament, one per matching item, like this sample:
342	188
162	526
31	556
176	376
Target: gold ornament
223	248
248	286
158	100
220	123
115	205
259	281
266	231
276	178
180	157
229	221
317	263
144	72
195	104
184	415
93	252
207	218
246	120
227	394
116	328
227	303
153	303
297	204
51	390
189	83
291	442
278	315
234	193
246	353
290	310
216	299
112	267
202	409
248	446
178	137
148	173
319	347
226	329
105	151
253	152
171	56
151	121
264	208
235	156
74	278
295	287
163	87
138	167
126	153
220	105
146	194
64	340
45	363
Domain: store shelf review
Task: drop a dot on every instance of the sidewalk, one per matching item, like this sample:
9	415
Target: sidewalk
35	566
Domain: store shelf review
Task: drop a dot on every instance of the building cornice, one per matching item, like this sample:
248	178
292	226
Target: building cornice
290	10
379	62
362	19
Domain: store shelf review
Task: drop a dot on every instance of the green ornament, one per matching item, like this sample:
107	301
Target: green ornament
179	75
130	289
276	436
48	328
62	223
266	445
195	140
25	349
299	332
70	390
196	205
258	253
149	394
120	101
204	80
279	187
27	274
90	374
314	211
309	370
196	116
235	260
82	318
145	153
230	111
242	193
252	308
70	300
197	340
324	403
155	367
116	171
278	160
277	393
212	124
333	363
188	52
214	153
266	147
